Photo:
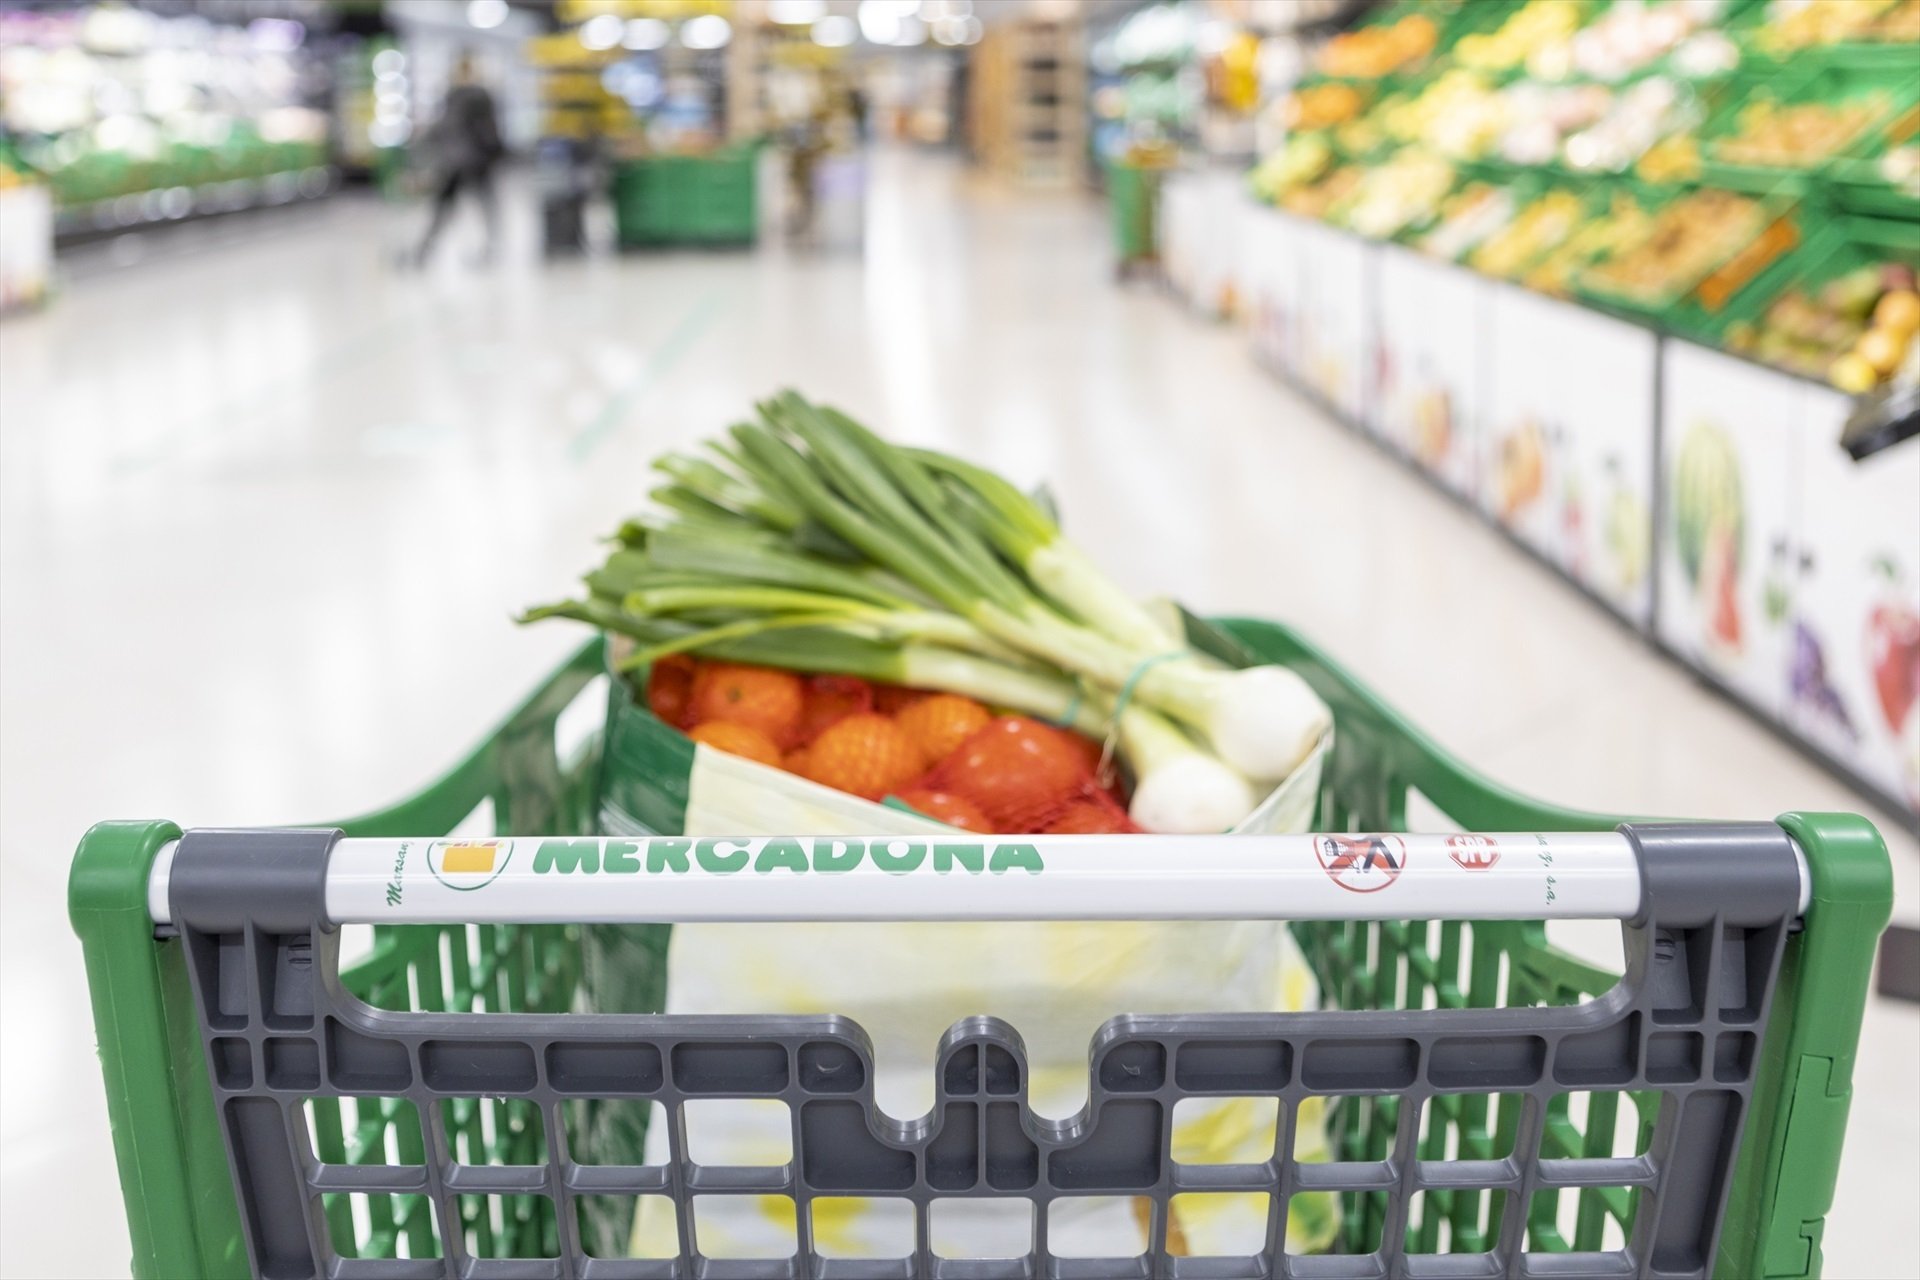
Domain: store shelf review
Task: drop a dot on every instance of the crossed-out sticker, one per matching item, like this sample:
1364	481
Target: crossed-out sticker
1361	864
468	864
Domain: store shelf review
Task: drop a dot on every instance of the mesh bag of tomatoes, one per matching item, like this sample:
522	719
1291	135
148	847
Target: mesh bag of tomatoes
942	755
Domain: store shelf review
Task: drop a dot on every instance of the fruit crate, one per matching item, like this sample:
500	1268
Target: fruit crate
1492	1095
1593	200
1888	92
1840	246
1857	182
1778	219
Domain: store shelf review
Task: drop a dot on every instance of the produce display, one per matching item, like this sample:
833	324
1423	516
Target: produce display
1793	137
1856	330
1372	52
898	623
109	102
1659	158
1684	241
1536	230
1793	25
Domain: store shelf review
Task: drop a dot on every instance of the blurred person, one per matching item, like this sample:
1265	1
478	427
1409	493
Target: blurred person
463	147
857	107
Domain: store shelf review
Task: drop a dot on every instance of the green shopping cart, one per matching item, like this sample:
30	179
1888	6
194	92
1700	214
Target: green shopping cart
459	1101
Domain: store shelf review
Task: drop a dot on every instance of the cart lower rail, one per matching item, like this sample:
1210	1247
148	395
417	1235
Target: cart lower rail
457	1103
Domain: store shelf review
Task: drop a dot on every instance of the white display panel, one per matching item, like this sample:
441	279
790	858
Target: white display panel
1856	604
1730	439
1334	346
1567	442
1270	242
1428	340
1202	219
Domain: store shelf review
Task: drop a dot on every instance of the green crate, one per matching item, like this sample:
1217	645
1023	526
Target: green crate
178	1192
1897	89
1780	216
1841	245
1133	201
668	200
1594	199
1855	181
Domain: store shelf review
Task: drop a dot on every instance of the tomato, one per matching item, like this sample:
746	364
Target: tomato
670	688
943	806
1017	770
1089	818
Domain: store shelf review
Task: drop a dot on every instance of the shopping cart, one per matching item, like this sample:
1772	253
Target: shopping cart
446	1106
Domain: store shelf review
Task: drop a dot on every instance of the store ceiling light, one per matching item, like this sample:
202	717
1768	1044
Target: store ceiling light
796	13
964	29
647	33
835	31
487	14
884	21
601	32
708	31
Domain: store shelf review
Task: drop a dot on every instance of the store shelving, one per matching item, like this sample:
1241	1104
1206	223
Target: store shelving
134	117
1029	102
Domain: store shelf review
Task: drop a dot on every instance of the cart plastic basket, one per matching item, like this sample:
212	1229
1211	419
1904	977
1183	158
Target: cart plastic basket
447	1106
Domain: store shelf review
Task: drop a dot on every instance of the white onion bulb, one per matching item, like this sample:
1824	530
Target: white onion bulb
1266	720
1191	794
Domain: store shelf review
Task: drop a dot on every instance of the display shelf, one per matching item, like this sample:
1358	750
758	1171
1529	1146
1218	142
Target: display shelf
1706	149
1703	500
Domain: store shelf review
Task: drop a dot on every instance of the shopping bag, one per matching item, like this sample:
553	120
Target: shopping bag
907	983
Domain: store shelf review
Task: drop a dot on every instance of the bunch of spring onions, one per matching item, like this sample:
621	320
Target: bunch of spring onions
802	540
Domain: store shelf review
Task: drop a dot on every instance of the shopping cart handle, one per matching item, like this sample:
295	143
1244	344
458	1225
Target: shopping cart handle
567	879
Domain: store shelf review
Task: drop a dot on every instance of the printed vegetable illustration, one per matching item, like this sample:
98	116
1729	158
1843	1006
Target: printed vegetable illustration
1432	426
1521	472
1893	657
1706	494
1627	533
1710	527
1809	685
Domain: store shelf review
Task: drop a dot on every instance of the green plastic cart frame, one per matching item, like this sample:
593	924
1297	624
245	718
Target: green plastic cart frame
173	1163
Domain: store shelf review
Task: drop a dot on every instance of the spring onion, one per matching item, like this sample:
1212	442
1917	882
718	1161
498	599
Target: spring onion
804	540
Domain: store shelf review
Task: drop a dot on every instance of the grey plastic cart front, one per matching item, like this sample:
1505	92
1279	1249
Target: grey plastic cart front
1702	952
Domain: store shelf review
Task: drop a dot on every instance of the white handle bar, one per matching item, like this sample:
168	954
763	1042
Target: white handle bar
535	879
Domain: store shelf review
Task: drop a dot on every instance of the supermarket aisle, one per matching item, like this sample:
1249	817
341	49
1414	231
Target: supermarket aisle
267	506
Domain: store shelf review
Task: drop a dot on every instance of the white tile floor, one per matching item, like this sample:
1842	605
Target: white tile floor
265	507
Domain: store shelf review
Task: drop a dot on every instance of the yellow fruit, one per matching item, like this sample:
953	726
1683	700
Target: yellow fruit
1881	348
1852	374
1898	311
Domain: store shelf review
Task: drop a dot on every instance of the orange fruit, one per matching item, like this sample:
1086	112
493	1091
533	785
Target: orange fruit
950	809
865	755
830	699
759	697
941	723
1088	818
737	740
670	688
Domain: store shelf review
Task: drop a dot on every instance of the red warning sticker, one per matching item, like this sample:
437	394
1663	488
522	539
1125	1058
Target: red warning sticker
1361	864
1473	853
